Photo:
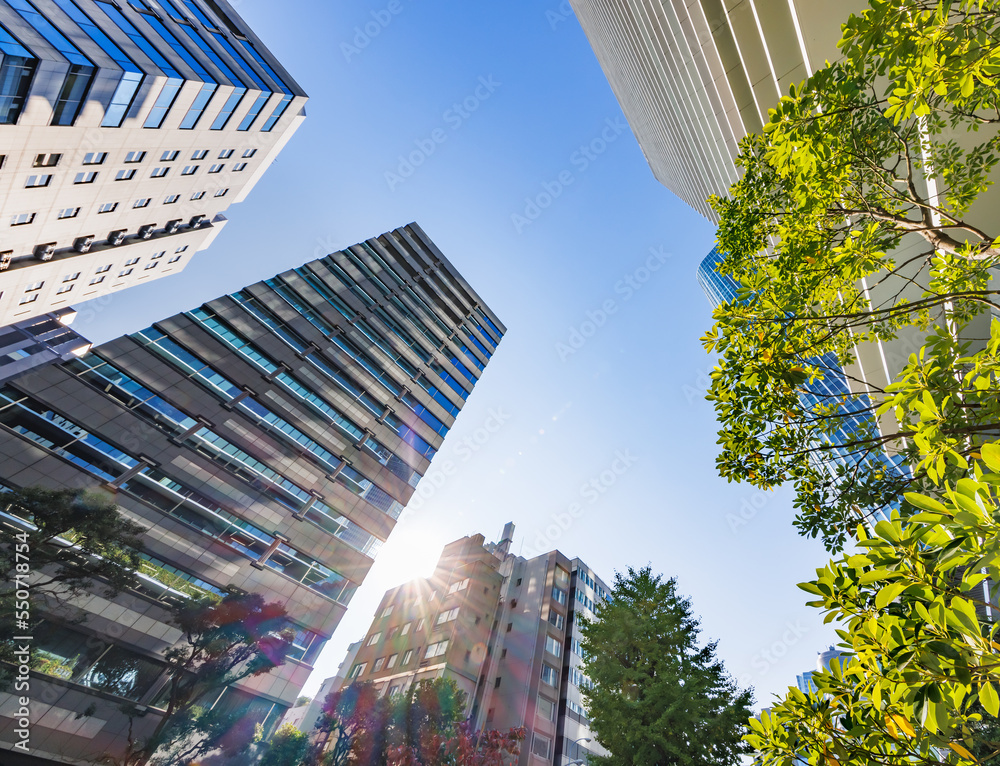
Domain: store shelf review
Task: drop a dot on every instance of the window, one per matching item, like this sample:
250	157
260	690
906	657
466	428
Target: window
21	219
378	664
200	154
217	167
144	202
103	269
550	675
159	172
34	182
420	624
124	272
546	709
391	662
46	160
107	207
169	156
198	195
181	249
559	595
407	656
34	286
555	619
125	175
152	265
405	629
174	259
510	627
28	299
436	650
85	178
160	254
518	583
496	684
171	199
71	277
249	153
131	261
94	158
457	586
540	745
64	289
394	690
553	646
448	616
225	154
69	212
374	639
388	610
222	192
96	280
135	157
357	670
239	166
562	576
190	170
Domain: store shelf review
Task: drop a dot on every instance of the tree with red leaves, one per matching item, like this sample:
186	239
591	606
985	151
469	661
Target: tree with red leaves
465	747
225	641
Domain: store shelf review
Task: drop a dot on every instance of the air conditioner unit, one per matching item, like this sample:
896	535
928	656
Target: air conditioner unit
145	232
44	252
196	221
83	244
172	226
5	258
117	236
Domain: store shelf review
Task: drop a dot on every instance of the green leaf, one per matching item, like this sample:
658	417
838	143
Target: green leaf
988	696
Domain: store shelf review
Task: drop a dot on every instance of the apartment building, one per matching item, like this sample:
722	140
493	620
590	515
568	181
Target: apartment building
128	130
506	630
268	440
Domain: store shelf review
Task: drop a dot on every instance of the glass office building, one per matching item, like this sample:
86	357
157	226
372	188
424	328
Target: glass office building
129	129
854	414
268	441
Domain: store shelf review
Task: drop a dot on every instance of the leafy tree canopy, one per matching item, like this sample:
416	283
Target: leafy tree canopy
658	698
920	679
855	224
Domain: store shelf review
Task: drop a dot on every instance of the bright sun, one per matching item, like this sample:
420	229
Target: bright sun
411	552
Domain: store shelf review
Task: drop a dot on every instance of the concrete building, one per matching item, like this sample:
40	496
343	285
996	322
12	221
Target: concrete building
268	440
39	341
504	628
693	77
128	129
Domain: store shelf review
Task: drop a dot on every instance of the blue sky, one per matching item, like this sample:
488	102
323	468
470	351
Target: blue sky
523	171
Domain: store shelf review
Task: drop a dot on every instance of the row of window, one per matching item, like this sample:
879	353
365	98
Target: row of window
77	82
98	158
23	219
32	289
61	436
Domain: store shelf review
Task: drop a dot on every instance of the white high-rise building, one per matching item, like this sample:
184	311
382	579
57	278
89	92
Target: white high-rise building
693	77
126	131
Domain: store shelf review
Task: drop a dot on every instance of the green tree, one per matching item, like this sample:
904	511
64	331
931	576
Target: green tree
658	698
920	680
855	223
287	747
69	540
224	642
